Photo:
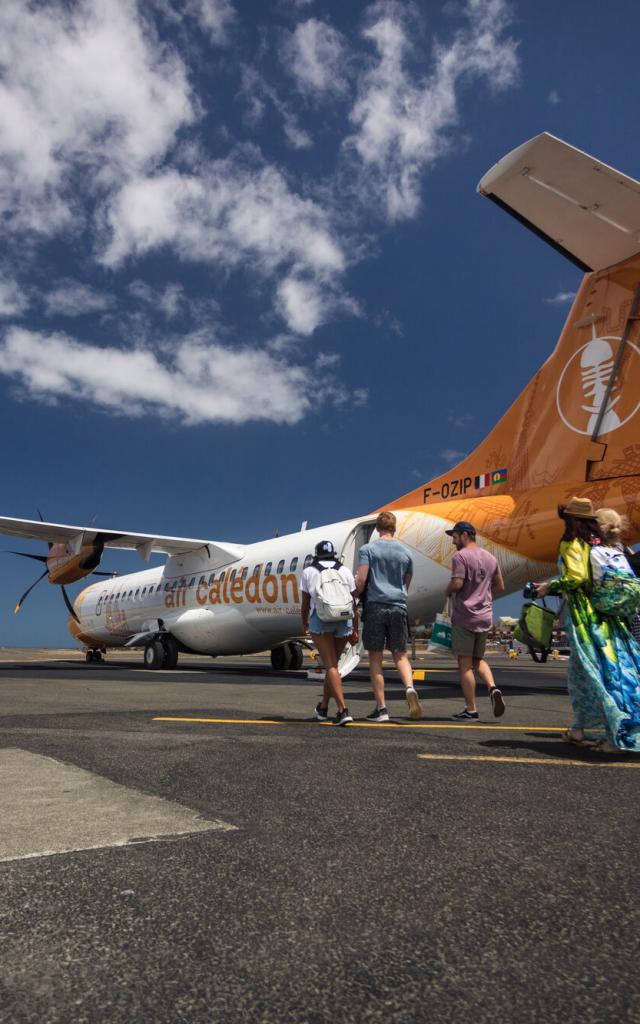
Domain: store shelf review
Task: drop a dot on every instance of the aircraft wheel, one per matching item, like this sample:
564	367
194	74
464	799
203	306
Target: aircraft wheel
170	652
97	655
297	656
89	657
154	654
281	658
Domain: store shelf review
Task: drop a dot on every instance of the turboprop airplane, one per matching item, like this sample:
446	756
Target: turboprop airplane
573	430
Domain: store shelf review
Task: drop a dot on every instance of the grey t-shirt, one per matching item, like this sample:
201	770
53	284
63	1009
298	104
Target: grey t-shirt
389	562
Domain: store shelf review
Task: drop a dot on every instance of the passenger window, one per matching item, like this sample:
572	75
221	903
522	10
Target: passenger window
137	591
192	582
144	590
233	574
294	564
212	578
267	568
174	585
222	575
244	573
202	582
257	569
167	586
280	566
308	560
183	581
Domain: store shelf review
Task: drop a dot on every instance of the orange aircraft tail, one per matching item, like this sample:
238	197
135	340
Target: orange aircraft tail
574	429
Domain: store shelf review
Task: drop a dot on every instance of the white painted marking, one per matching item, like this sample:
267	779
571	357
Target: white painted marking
48	807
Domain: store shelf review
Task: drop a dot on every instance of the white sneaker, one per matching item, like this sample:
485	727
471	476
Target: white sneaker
415	708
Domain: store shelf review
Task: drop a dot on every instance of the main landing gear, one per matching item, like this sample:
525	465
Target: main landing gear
93	654
161	652
287	656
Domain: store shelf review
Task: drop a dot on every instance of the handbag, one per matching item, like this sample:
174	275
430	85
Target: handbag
440	642
535	626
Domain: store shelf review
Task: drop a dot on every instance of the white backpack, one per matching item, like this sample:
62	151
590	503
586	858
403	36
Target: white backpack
334	602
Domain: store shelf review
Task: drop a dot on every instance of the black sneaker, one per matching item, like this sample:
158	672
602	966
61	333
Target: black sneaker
378	715
322	714
497	702
467	716
343	717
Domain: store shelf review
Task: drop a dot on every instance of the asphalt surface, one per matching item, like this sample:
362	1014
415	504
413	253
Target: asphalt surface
350	880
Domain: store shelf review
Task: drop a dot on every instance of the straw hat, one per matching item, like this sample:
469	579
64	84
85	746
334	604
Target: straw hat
580	508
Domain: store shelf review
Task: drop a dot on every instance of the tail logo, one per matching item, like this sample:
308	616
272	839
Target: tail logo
583	385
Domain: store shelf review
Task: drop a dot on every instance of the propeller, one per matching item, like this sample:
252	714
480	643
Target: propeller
44	559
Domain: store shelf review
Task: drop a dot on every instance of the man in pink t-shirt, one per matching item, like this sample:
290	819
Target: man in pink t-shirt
475	580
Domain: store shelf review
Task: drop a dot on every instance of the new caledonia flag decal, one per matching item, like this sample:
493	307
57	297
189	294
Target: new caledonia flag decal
498	476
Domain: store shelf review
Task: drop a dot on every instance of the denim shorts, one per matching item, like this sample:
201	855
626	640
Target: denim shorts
339	629
385	625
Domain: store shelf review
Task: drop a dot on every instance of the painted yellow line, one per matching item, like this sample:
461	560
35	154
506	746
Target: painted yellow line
420	673
529	760
364	725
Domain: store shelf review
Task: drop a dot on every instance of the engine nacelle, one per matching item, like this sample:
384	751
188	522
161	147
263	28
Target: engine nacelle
66	565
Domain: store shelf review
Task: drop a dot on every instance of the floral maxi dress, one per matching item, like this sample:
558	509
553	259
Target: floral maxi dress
604	666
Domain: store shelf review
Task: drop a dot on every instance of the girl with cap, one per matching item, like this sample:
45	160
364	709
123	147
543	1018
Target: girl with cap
330	638
604	666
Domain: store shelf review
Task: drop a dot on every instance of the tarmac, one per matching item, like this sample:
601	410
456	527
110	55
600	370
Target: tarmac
191	846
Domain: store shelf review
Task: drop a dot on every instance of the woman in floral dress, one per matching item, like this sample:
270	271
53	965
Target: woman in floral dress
604	665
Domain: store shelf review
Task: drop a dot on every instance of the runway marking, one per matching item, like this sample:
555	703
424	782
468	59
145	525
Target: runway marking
420	673
363	725
529	760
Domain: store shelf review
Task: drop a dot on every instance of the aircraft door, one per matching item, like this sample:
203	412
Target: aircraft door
360	535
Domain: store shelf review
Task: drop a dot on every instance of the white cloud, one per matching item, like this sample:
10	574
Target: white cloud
170	300
215	16
450	455
232	215
256	93
89	96
13	299
314	53
459	420
72	298
201	381
561	298
402	120
554	98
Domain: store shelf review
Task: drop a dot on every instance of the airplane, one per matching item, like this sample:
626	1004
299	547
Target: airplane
573	430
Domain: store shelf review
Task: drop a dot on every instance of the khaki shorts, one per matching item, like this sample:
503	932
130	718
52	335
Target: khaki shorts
466	644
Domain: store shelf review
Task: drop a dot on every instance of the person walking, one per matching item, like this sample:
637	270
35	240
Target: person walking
330	638
384	573
603	676
475	581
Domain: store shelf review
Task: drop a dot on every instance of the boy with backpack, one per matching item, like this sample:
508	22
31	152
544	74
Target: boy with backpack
329	614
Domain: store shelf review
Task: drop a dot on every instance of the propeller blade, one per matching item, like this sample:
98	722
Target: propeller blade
42	521
109	574
68	603
27	592
26	554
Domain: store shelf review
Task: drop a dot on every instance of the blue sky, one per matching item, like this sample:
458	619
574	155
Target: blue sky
245	277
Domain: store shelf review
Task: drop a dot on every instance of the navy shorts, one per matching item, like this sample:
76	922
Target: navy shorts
385	625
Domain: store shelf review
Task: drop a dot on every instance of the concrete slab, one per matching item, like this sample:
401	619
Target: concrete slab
48	807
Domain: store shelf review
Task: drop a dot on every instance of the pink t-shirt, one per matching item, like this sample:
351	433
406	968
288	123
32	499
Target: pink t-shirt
473	606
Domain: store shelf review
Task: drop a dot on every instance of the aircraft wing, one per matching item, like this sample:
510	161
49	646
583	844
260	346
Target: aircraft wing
143	543
585	209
